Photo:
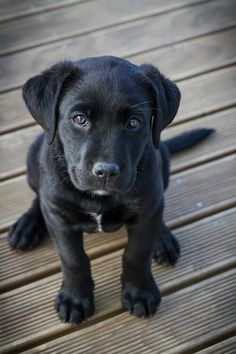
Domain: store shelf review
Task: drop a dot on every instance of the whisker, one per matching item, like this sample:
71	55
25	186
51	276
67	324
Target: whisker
148	108
141	103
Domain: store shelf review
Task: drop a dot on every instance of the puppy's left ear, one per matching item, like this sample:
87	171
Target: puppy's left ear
41	94
166	97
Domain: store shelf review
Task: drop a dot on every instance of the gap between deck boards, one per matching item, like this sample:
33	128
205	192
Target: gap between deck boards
40	9
121	20
60	331
177	71
212	272
181	35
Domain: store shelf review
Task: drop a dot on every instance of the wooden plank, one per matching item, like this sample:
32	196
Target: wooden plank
49	27
186	320
191	193
16	197
200	102
226	347
13	113
206	52
191	57
187	343
14	145
14	8
195	190
19	268
199	20
220	143
210	301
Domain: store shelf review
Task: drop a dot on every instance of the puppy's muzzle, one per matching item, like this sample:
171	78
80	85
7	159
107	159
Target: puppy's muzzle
105	170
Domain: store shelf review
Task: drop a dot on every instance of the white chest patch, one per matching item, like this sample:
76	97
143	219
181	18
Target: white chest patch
98	219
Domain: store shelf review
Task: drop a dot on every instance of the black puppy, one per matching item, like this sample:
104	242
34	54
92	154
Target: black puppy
100	165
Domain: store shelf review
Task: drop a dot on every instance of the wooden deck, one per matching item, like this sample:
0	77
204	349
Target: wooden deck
193	42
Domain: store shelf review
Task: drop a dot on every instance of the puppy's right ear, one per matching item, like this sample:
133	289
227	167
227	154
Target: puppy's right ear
41	94
166	100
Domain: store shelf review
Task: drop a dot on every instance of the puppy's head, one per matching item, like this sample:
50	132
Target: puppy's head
104	111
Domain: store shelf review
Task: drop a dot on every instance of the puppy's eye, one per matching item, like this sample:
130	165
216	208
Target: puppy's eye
80	119
134	123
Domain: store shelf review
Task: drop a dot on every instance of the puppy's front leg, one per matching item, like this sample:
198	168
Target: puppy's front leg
75	301
140	294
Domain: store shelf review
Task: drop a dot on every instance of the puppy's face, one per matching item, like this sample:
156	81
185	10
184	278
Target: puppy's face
104	125
101	110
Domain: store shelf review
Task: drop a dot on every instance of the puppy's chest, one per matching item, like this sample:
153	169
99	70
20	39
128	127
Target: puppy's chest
92	218
105	222
98	220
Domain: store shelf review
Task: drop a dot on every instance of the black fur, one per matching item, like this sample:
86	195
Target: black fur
100	110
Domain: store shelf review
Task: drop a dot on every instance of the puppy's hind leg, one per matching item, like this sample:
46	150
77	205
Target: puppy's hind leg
167	250
29	229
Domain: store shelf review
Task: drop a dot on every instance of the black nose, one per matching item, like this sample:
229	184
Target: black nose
104	169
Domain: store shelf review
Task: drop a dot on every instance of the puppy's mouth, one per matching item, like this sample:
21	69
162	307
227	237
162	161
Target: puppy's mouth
88	186
101	192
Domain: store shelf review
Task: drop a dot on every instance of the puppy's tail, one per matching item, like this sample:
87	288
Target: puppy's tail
187	140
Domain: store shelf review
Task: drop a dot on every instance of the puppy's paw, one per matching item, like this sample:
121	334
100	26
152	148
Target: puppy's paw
26	233
167	251
139	302
73	310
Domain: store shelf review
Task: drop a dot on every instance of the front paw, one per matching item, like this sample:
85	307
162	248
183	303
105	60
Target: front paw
141	302
73	310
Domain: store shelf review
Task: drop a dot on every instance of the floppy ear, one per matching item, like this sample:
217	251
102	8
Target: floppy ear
41	94
167	99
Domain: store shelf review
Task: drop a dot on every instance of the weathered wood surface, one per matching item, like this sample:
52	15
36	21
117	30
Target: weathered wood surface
48	26
193	42
200	258
14	8
226	346
186	319
198	20
211	51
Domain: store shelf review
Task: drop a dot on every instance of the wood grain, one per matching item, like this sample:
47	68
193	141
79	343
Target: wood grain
210	302
48	26
14	8
13	112
122	40
206	52
14	147
212	92
226	346
18	268
192	42
195	190
220	143
191	57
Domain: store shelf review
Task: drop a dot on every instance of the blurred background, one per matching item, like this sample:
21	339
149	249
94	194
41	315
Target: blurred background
194	43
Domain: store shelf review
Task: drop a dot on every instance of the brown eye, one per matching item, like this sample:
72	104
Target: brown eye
134	123
80	119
